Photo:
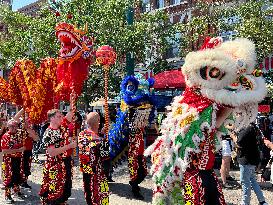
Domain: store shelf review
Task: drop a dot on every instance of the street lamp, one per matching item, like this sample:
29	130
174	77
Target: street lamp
130	64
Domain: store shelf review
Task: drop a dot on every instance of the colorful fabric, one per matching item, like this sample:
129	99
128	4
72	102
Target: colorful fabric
1	135
12	171
28	143
12	165
57	176
16	189
96	188
136	161
202	187
13	141
218	80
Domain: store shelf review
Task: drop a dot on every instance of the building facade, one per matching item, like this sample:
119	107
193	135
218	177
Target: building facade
32	9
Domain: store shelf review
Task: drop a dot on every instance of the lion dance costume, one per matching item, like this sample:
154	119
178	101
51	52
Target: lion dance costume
135	113
219	75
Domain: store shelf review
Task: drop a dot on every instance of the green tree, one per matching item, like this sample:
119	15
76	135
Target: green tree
28	37
249	19
253	21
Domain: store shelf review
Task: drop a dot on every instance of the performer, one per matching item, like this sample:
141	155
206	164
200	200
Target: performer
12	166
220	79
27	155
138	101
3	130
94	179
136	160
57	179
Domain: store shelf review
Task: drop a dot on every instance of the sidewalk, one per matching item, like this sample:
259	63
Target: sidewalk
120	189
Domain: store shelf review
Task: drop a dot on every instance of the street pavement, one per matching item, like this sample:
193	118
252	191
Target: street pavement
120	192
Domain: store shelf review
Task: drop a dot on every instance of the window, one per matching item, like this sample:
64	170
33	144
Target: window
174	51
173	2
146	6
159	4
228	35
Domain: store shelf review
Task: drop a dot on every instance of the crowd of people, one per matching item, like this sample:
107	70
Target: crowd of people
59	140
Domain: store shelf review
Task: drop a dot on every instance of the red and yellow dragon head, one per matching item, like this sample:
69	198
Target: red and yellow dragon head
39	89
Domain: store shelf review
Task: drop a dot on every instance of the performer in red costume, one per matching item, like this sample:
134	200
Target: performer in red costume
12	145
136	160
57	179
27	155
95	182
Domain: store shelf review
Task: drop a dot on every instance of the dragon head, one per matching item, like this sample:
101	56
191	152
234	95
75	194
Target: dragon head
225	72
75	56
74	42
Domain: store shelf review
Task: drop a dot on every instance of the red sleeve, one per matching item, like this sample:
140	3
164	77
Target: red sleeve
65	123
5	142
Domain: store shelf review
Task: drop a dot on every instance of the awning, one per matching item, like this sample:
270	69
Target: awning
169	79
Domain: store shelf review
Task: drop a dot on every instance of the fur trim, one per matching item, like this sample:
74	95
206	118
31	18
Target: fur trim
241	49
235	99
194	61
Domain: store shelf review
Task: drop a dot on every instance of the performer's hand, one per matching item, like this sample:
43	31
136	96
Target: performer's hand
266	142
73	145
22	149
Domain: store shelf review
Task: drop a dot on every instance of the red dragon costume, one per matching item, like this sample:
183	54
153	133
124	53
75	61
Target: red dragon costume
39	89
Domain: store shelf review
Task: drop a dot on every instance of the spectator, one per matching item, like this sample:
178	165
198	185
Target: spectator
248	158
270	146
227	148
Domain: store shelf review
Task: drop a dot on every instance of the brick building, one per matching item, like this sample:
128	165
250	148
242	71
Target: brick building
31	9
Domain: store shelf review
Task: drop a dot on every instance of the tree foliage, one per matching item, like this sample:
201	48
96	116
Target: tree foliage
250	19
34	38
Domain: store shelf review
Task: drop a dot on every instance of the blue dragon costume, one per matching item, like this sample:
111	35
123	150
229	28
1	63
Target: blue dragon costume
126	135
221	80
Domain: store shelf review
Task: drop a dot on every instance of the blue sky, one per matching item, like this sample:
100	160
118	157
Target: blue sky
20	3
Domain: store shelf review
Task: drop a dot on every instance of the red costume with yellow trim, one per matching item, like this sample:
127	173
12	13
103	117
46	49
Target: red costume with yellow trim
12	165
96	188
57	172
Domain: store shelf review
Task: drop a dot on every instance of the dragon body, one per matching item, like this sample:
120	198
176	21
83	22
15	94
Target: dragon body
39	89
219	77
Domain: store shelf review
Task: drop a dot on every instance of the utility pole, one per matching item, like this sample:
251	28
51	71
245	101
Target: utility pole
130	61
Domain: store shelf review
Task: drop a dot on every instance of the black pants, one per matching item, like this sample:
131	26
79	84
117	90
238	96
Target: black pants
16	178
141	174
210	185
27	158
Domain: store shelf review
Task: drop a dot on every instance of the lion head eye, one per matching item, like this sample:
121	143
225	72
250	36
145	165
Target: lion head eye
130	87
208	73
241	63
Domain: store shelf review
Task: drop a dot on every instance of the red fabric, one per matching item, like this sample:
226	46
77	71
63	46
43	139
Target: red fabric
3	132
193	99
71	75
169	79
210	43
28	143
11	141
